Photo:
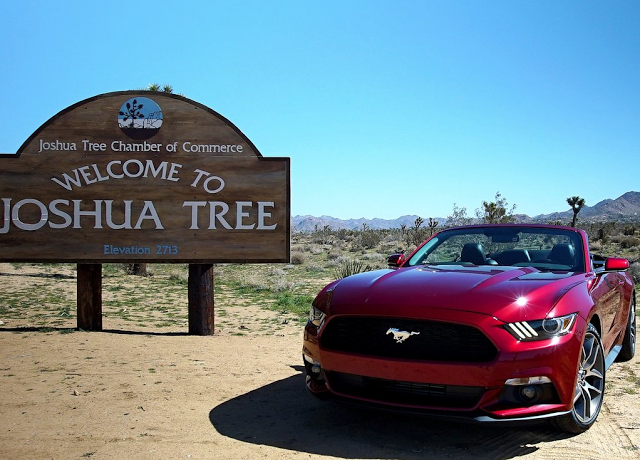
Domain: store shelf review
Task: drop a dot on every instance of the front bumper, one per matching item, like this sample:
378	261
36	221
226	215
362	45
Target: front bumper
498	390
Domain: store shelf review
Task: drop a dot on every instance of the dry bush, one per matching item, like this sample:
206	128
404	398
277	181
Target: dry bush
351	267
629	242
256	280
595	245
634	271
314	268
276	271
282	284
343	259
616	238
298	257
392	246
315	249
179	274
374	258
340	244
334	253
410	250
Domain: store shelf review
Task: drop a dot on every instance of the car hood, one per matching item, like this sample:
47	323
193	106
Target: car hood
489	290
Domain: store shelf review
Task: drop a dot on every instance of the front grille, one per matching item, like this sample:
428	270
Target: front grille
407	393
433	341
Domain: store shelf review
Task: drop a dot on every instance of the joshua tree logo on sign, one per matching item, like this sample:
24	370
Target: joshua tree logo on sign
140	118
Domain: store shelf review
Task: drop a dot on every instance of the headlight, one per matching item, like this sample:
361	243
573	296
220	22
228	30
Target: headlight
543	329
316	317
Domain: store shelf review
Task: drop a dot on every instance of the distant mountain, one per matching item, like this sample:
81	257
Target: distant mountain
311	223
625	208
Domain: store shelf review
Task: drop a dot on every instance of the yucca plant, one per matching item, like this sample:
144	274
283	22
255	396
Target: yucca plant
351	267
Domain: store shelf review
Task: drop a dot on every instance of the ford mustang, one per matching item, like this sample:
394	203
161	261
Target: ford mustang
490	323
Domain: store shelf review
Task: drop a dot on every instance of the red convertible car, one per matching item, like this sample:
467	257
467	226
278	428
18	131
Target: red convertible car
491	323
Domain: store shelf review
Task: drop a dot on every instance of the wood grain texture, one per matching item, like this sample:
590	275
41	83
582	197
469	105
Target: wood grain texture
89	297
201	301
97	205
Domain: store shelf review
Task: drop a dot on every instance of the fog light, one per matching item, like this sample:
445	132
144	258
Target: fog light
529	392
313	368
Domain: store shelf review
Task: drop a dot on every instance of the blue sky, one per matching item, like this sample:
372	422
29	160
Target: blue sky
386	108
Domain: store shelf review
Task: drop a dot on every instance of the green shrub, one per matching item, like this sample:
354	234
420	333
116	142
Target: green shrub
296	304
351	267
369	239
634	271
629	242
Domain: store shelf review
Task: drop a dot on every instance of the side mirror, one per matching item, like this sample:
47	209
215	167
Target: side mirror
615	263
395	260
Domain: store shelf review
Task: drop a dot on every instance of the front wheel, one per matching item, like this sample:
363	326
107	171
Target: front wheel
589	392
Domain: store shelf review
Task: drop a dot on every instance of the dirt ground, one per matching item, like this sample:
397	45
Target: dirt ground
137	392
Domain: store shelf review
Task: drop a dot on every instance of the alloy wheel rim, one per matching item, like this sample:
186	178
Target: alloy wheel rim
590	384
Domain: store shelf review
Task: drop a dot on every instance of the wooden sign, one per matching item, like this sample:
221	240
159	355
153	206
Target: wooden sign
147	177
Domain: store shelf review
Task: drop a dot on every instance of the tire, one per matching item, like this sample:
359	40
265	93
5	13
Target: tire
628	350
589	391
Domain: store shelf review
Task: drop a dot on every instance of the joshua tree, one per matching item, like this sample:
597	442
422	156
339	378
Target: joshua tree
497	211
432	223
576	204
458	217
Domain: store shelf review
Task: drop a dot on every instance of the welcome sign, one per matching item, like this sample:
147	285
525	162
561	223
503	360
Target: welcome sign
147	177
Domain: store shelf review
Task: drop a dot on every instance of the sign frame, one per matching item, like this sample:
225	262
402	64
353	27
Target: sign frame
197	192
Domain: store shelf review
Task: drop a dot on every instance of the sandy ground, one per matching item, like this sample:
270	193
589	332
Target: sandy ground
135	392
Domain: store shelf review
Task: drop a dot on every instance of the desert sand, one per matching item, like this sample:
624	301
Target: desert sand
134	391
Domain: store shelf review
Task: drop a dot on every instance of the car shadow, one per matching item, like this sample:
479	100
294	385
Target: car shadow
284	415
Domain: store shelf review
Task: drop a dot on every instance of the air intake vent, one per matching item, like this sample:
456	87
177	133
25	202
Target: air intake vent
398	392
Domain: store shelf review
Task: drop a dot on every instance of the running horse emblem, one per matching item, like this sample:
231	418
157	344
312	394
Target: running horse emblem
400	336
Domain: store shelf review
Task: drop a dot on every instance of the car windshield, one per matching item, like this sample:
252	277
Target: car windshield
541	248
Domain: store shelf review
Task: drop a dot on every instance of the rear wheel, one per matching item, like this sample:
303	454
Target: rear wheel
589	392
629	342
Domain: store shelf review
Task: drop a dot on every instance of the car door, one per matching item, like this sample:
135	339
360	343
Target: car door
607	297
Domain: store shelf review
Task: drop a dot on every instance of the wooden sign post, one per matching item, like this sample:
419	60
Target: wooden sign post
143	177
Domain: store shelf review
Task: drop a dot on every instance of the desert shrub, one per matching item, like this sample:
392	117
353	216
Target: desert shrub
334	253
322	236
369	239
634	271
281	284
617	238
410	250
343	259
629	242
351	267
276	271
298	257
314	249
595	245
255	282
375	258
415	236
390	244
179	276
314	268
